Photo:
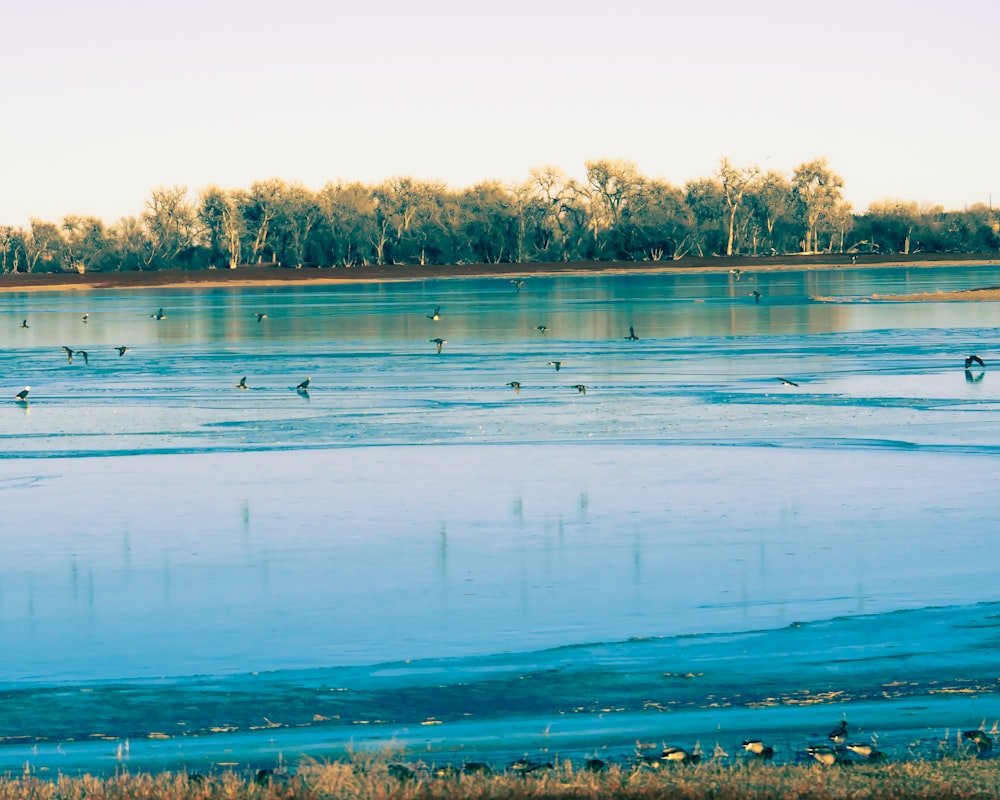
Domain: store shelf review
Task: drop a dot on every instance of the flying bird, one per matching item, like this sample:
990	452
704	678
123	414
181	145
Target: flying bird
515	385
631	335
579	387
556	364
973	359
22	396
159	315
787	382
435	314
24	324
86	318
517	284
304	386
541	328
755	295
242	384
69	354
738	273
260	317
122	350
82	353
439	342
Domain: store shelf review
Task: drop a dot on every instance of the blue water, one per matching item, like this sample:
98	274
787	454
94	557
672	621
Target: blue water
165	533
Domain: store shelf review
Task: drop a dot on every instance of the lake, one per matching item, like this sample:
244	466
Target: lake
411	551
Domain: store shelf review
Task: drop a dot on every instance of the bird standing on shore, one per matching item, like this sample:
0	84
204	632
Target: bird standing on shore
824	754
865	750
631	335
973	359
839	734
678	755
439	342
758	749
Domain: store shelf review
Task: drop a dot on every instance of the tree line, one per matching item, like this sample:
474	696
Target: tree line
615	213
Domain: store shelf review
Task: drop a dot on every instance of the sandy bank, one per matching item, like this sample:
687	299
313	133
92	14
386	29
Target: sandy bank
279	276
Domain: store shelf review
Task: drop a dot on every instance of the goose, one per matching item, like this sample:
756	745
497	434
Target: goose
22	396
159	315
757	748
439	342
242	384
631	335
122	350
579	387
973	359
260	316
515	385
755	295
979	738
824	754
839	734
541	328
787	382
556	364
435	315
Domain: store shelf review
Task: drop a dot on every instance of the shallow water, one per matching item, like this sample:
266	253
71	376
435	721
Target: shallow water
160	524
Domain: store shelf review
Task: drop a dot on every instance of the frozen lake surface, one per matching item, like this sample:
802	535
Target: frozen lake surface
412	541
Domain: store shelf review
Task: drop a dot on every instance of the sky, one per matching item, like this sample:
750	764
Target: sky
105	101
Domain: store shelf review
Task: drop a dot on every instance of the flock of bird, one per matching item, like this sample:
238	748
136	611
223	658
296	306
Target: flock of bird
838	750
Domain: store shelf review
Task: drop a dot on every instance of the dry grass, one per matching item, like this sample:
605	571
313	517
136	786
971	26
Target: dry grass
367	777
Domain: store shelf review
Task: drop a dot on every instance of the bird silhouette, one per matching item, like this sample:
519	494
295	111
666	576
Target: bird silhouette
541	328
631	335
242	384
516	386
83	353
435	314
556	364
86	317
69	354
304	386
260	317
439	342
755	295
738	273
973	359
22	396
579	387
787	382
122	350
159	315
24	324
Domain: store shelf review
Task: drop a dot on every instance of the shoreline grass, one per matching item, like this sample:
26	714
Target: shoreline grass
376	777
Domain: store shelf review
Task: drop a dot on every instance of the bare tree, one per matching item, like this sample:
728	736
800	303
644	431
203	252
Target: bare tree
735	183
817	188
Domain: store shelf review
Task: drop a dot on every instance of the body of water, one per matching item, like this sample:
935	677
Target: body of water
413	551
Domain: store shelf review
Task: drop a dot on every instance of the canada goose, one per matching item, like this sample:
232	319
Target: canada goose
839	734
579	387
865	750
787	382
980	739
69	354
973	359
304	386
757	748
24	324
541	328
755	295
678	755
515	385
517	284
631	335
435	314
556	364
738	273
22	396
159	315
122	350
85	317
824	754
260	316
439	342
242	384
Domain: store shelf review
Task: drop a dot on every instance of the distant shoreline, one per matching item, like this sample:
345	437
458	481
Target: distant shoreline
250	276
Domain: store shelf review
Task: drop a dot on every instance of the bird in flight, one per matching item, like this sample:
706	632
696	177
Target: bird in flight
435	314
579	387
122	350
304	386
69	354
755	295
24	324
82	353
260	317
516	386
973	359
737	273
631	335
787	382
439	342
159	315
556	364
541	328
86	318
22	396
242	384
517	284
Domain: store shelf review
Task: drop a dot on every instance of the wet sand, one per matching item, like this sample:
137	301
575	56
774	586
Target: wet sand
272	275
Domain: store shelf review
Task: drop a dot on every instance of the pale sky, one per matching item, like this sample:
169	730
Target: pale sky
106	100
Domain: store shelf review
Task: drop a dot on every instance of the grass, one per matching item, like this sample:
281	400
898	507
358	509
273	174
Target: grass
376	777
